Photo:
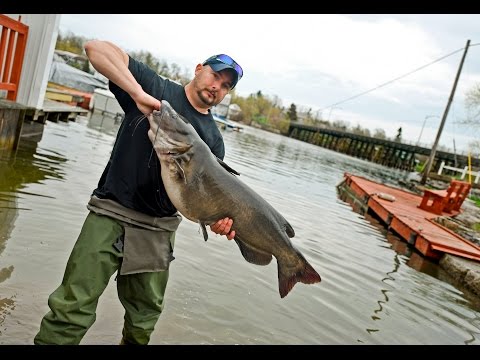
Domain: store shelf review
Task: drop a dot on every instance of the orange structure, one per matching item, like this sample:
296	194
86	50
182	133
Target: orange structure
68	95
13	41
400	211
438	201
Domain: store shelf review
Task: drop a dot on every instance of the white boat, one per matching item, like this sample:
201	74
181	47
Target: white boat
221	110
226	124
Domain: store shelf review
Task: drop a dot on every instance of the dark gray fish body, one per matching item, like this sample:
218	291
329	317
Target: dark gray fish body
205	190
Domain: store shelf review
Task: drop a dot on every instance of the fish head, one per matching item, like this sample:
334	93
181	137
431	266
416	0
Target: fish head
170	133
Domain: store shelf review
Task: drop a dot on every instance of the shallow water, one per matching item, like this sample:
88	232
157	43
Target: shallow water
374	289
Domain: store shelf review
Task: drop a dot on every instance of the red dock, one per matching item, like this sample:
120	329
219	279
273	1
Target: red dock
400	211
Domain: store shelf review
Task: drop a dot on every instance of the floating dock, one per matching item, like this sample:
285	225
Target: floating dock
399	210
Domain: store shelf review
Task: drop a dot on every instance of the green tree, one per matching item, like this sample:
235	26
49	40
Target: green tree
71	42
74	44
161	67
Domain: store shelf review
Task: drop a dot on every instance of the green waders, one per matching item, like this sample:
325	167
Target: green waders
92	263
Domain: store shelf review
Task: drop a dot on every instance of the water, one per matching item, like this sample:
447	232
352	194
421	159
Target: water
374	289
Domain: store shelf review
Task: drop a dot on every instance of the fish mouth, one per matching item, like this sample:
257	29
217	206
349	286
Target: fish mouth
177	151
169	153
171	138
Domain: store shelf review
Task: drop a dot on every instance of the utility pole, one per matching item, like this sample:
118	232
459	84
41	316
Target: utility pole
429	164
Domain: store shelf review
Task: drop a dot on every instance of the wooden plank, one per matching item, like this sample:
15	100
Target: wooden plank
8	86
8	59
19	55
3	45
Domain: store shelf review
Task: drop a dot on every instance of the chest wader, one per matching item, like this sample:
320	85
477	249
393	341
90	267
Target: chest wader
93	261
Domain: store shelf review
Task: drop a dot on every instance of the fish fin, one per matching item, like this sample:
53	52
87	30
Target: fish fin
253	255
204	230
226	167
289	229
304	273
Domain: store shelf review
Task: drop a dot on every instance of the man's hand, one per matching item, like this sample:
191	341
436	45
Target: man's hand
223	227
147	103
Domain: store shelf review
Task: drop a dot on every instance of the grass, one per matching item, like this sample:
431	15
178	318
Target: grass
475	199
419	168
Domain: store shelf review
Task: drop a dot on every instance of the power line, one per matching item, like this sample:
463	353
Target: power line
397	78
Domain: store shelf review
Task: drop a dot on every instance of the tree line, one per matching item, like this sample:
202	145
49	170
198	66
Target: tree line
265	111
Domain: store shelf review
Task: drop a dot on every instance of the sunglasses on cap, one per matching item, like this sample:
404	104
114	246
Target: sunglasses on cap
227	60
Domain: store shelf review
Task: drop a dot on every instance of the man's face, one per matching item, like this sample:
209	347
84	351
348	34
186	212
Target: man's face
211	86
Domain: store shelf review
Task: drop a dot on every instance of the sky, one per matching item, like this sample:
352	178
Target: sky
320	61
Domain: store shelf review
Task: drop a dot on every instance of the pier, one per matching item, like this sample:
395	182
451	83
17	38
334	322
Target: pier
13	115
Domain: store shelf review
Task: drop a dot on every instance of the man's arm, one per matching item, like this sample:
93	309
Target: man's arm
112	62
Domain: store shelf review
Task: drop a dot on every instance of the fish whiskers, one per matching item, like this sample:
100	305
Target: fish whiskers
137	122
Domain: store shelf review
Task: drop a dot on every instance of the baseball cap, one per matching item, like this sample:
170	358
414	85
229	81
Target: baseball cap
221	62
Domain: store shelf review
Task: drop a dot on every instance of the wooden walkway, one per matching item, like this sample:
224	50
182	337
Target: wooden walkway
412	224
54	111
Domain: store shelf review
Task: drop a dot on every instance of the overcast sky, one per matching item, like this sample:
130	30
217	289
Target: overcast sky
319	60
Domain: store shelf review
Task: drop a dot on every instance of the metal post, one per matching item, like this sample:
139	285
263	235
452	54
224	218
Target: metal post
424	122
439	133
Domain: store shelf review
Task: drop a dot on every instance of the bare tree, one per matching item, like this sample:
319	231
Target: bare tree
379	134
472	103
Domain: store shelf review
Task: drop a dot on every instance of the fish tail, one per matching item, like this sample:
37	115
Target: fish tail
304	273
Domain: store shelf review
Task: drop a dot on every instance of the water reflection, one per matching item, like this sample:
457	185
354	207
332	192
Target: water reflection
105	123
25	165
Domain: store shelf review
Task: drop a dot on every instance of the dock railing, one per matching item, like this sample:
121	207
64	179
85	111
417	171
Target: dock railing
13	41
463	171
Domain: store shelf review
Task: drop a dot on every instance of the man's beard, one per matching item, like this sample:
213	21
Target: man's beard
206	99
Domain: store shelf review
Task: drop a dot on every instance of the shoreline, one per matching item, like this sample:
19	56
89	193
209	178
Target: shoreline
464	271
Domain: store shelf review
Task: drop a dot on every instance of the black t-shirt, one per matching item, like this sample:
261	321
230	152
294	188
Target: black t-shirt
132	175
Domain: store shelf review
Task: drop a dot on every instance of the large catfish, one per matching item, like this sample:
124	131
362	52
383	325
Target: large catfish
204	189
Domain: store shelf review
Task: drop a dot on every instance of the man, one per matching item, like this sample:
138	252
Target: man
131	224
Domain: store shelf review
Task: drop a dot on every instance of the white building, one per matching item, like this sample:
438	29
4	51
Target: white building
42	37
